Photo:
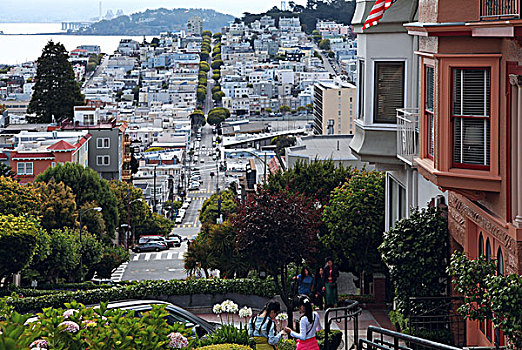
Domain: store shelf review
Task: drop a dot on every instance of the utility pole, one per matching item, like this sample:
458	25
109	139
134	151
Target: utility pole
154	208
128	220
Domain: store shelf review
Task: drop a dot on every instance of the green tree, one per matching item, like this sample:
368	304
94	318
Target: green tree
216	64
217	115
316	179
57	205
324	44
18	199
284	109
223	203
91	250
216	77
197	119
56	91
204	55
489	294
18	243
217	36
309	107
354	217
204	67
64	256
201	94
130	197
218	96
206	33
222	252
111	258
5	170
416	252
91	67
275	230
87	185
268	110
154	224
197	256
92	220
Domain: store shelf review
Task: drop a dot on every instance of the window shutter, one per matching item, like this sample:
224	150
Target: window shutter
389	91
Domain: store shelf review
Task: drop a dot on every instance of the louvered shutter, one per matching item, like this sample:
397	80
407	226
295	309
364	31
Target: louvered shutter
471	111
389	91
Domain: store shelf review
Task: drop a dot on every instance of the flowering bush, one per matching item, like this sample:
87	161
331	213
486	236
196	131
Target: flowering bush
69	326
177	341
92	328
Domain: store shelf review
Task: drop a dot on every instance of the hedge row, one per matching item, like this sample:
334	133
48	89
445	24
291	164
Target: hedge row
142	290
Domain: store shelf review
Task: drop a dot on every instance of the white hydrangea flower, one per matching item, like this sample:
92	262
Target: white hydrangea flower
177	341
69	312
245	312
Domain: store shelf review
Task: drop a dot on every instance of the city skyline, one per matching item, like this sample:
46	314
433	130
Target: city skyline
57	10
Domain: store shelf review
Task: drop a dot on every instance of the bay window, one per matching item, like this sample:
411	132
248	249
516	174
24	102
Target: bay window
470	107
428	109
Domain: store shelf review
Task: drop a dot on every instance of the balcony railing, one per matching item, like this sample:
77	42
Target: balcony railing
407	134
499	9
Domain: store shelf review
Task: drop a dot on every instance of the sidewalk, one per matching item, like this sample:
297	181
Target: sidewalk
368	317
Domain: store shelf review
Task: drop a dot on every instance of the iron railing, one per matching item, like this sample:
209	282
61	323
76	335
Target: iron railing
385	339
437	318
407	134
346	314
499	9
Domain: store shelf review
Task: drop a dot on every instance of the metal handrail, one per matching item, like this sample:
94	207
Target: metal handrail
397	337
351	311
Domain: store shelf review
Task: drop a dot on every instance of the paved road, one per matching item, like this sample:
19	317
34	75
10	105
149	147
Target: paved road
326	63
169	264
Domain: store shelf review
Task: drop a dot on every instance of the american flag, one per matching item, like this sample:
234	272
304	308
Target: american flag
377	12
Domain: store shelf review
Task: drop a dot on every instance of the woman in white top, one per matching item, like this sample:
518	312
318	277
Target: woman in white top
309	325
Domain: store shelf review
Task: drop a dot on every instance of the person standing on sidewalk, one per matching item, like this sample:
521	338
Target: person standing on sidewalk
309	324
318	290
331	274
263	329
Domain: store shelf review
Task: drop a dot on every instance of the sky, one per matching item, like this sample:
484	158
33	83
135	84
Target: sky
57	10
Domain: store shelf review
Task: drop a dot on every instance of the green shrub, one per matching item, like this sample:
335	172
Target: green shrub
287	344
225	347
82	328
334	339
145	289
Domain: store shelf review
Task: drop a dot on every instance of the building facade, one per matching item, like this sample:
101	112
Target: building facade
334	108
470	129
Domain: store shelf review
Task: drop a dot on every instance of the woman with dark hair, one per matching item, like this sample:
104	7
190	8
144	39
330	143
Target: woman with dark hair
331	274
305	282
318	291
309	324
262	327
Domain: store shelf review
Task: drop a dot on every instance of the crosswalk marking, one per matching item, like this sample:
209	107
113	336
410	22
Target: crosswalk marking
175	255
188	225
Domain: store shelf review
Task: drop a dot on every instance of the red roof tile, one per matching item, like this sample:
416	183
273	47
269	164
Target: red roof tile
61	146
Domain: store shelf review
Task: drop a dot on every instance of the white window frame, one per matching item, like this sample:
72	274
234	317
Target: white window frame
25	166
100	160
103	141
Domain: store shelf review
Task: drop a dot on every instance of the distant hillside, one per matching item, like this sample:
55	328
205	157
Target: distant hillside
340	11
153	22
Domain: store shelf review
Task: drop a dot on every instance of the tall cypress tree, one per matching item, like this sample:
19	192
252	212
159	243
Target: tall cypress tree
56	91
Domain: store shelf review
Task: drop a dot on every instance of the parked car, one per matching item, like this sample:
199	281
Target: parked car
152	238
179	219
174	241
176	314
150	247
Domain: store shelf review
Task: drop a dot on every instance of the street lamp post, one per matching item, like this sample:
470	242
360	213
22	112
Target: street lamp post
98	209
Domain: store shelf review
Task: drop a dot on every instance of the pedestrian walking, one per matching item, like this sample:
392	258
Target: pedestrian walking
262	327
332	273
305	282
318	290
309	324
